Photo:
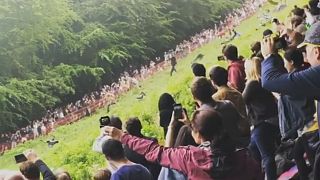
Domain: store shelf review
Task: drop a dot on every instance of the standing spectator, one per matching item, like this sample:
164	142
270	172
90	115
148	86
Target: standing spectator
294	111
263	114
219	78
236	73
302	83
236	126
121	167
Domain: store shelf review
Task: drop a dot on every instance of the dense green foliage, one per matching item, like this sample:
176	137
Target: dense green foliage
47	47
73	152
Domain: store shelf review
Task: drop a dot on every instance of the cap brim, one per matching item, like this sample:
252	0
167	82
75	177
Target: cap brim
301	45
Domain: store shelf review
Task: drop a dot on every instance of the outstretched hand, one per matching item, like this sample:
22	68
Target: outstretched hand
113	132
267	47
31	155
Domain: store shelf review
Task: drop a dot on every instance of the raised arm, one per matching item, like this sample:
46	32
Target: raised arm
182	159
275	79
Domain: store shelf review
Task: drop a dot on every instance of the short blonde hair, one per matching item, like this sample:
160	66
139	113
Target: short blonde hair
253	68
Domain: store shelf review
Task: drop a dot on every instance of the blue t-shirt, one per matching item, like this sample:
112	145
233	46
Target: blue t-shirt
132	172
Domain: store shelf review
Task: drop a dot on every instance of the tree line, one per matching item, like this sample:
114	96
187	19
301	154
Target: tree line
53	52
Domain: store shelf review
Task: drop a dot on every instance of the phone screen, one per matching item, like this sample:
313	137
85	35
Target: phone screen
178	111
20	158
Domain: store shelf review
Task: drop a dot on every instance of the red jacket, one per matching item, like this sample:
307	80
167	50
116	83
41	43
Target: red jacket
192	161
237	75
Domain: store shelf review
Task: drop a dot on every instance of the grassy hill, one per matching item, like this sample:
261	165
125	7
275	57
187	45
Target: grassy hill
74	154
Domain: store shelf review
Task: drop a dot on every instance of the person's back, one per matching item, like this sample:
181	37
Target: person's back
219	77
122	168
236	73
131	172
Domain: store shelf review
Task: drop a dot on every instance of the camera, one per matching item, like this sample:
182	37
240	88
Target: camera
221	58
20	158
104	121
280	42
177	108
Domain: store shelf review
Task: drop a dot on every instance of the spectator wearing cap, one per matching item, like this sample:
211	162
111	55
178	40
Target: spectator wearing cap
302	83
236	74
198	70
120	166
219	78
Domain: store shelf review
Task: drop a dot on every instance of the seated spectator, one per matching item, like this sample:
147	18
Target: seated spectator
198	69
165	106
114	122
235	125
102	174
121	167
219	78
263	114
133	127
203	162
236	74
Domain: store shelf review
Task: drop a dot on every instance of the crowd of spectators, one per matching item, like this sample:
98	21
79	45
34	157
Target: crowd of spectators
110	93
251	120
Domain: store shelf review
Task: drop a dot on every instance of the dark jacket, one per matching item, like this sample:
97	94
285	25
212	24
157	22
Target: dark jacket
261	104
232	121
45	170
294	113
302	83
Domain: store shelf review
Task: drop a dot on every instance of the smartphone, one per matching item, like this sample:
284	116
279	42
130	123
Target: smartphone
177	108
221	58
104	121
20	158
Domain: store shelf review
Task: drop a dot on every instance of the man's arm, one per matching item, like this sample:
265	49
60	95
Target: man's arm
275	79
45	170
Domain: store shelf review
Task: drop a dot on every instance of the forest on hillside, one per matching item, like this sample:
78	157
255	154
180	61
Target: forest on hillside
53	52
